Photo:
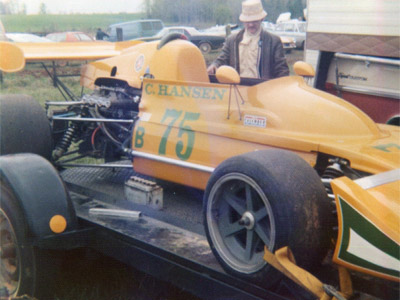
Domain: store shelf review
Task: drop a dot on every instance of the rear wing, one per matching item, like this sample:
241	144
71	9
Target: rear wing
13	56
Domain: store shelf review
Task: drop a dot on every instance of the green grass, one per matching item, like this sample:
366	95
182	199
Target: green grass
51	23
34	81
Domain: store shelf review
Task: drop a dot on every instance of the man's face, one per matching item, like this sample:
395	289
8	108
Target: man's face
252	27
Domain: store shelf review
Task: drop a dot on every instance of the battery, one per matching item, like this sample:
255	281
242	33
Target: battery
144	192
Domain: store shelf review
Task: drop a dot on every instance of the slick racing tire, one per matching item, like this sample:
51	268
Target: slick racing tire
267	198
24	126
24	269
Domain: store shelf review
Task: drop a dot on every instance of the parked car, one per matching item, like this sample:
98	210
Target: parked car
294	29
220	30
26	38
134	29
69	36
288	43
206	42
268	26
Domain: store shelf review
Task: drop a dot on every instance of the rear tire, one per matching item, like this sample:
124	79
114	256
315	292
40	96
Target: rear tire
271	198
24	269
24	126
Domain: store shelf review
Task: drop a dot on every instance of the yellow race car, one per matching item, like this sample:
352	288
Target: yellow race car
265	154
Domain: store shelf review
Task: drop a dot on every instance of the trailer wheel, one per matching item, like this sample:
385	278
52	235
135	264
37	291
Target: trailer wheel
24	126
271	198
24	269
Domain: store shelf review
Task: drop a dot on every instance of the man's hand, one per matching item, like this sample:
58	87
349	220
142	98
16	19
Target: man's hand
211	69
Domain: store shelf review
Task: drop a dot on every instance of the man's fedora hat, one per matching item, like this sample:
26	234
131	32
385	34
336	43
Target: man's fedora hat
252	10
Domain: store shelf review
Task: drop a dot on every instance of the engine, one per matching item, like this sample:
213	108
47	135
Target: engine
99	125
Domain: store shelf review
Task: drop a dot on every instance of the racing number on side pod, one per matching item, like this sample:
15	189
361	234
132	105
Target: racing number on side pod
139	137
174	115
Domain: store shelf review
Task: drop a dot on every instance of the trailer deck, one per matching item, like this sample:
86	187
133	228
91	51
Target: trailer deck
169	244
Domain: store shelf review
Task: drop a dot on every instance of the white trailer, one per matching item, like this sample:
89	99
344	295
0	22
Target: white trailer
354	47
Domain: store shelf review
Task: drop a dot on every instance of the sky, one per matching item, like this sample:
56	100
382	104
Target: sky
83	6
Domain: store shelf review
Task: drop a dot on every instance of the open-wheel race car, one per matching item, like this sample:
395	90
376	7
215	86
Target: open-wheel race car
281	163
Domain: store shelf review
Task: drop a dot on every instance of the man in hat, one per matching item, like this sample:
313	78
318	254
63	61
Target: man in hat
253	52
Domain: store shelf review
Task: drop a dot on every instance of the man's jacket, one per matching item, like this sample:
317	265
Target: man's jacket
272	62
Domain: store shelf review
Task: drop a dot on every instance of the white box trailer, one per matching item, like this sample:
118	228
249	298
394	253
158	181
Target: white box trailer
354	47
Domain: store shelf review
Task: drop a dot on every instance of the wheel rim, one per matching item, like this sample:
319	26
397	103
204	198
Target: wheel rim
240	222
9	254
205	47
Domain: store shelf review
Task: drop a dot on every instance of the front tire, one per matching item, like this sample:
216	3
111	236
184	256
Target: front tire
271	198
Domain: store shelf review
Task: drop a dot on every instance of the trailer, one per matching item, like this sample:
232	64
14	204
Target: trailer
169	244
354	48
206	181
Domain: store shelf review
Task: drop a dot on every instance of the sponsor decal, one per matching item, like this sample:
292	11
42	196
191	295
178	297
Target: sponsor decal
145	117
255	121
352	77
139	63
185	91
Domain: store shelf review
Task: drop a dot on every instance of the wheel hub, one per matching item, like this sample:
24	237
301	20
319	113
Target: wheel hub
247	220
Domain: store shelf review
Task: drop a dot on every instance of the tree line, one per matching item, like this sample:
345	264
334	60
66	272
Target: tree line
190	12
215	11
13	7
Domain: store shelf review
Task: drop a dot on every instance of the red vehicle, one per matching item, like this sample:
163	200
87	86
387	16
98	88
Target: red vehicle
371	83
69	36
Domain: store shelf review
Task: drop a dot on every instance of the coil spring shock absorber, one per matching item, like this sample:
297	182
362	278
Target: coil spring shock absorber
334	170
64	143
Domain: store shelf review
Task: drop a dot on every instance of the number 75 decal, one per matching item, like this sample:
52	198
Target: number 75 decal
171	116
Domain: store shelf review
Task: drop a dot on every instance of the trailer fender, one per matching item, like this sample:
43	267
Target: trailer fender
41	194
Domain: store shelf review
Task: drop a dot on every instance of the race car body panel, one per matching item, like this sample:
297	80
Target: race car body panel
185	117
33	52
194	122
177	61
11	58
369	224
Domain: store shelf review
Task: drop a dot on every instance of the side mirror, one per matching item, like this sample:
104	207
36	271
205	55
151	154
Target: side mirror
228	75
304	69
